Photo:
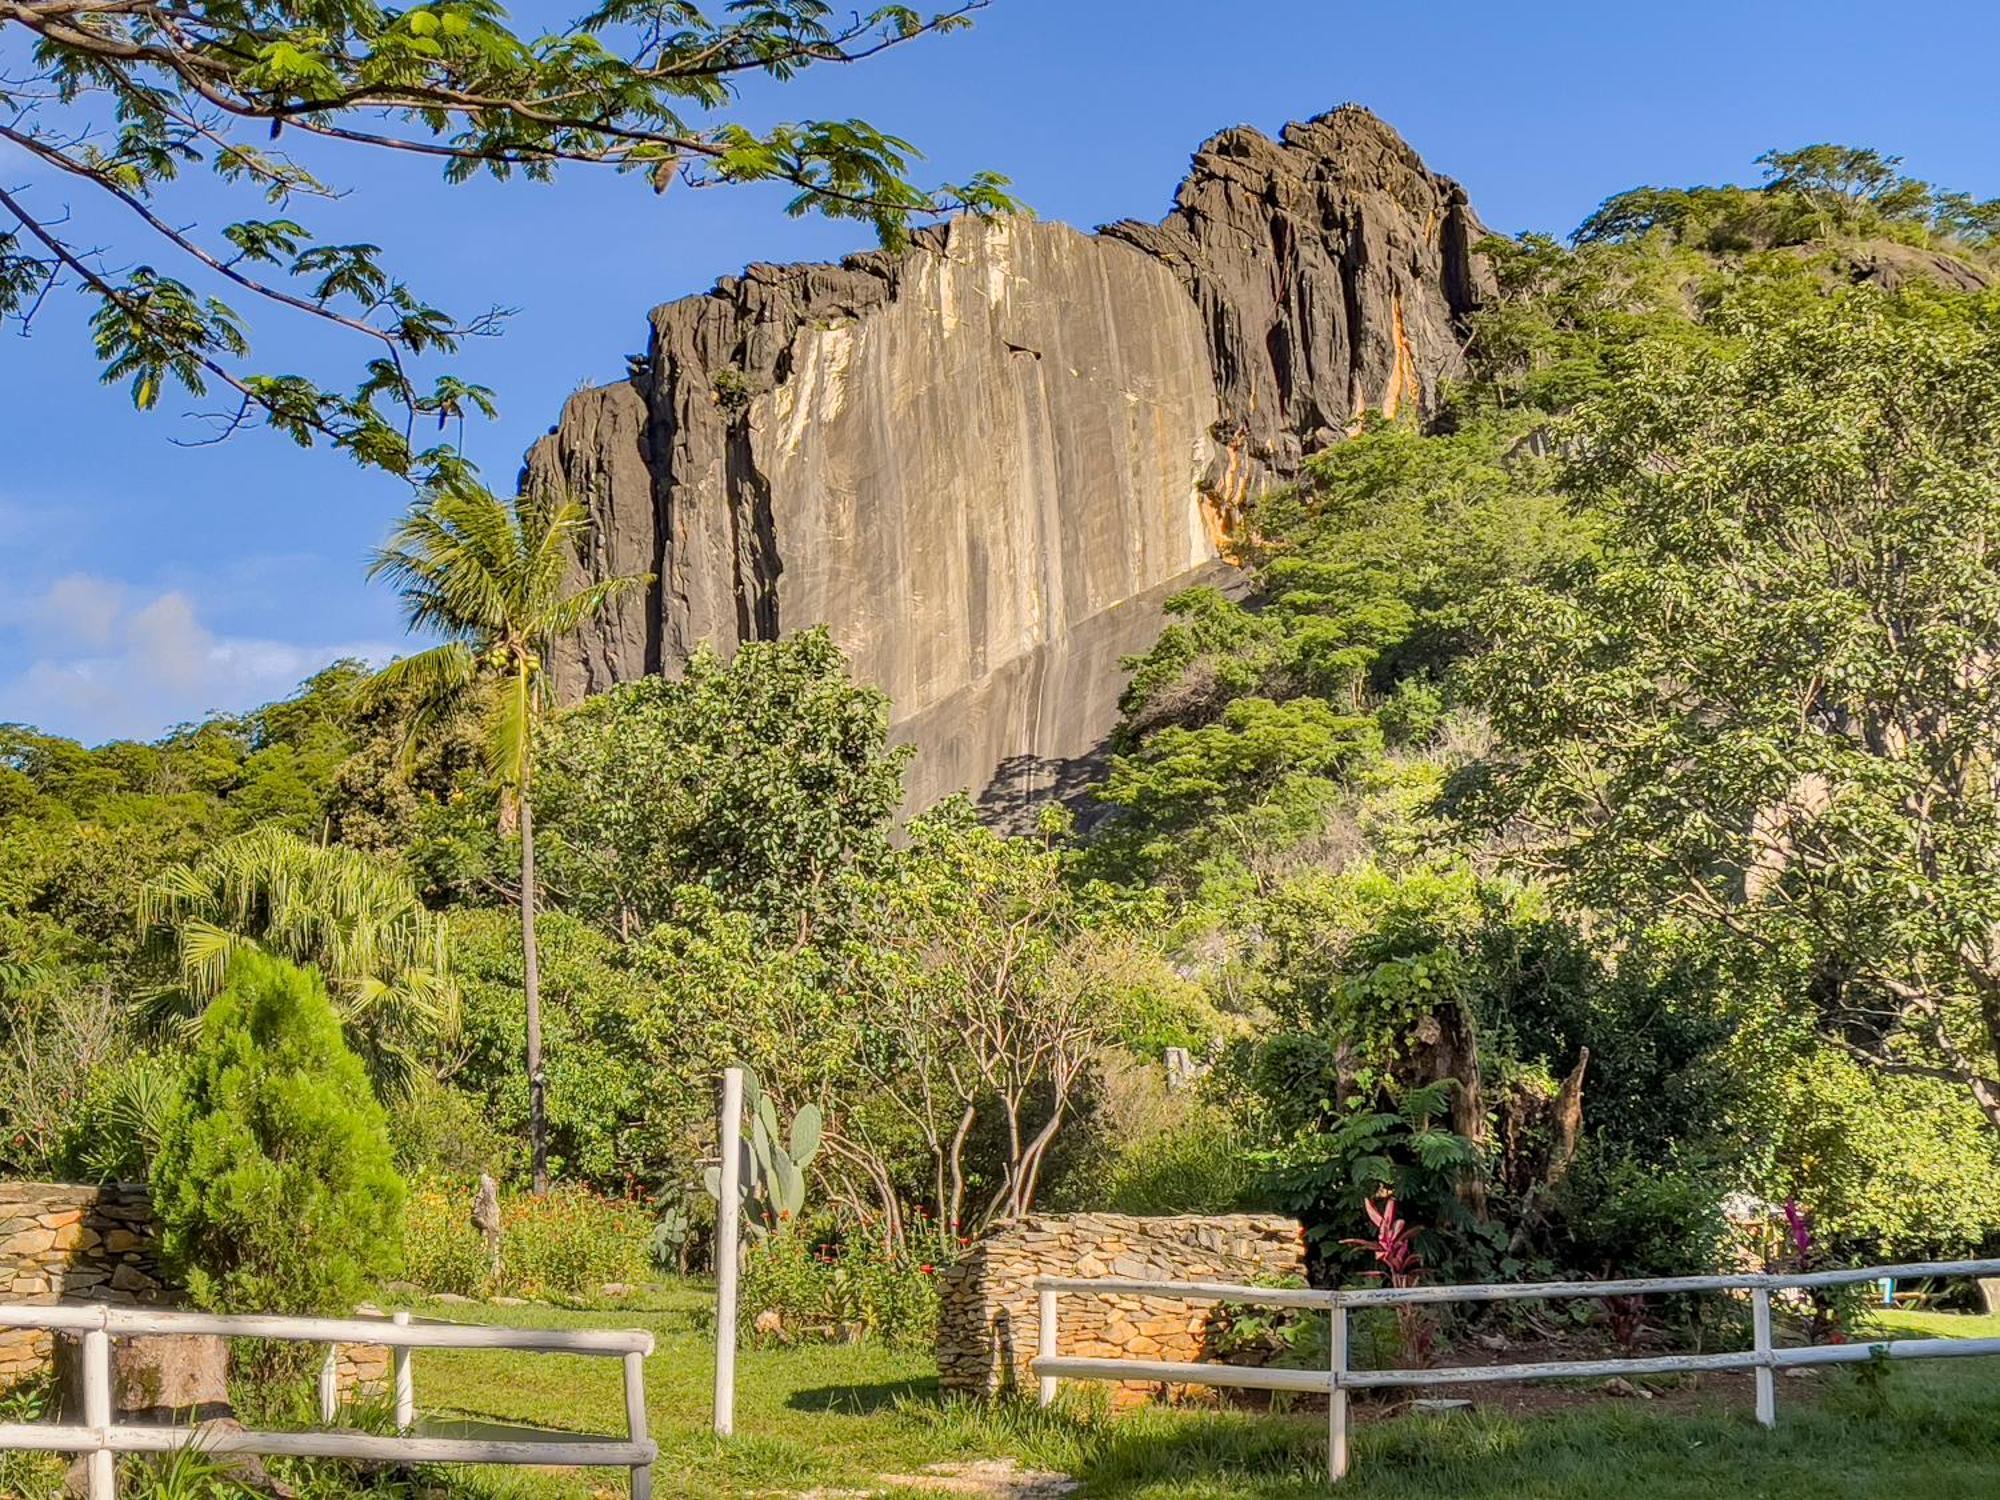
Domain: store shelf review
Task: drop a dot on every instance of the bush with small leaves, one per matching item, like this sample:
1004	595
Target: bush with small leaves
274	1184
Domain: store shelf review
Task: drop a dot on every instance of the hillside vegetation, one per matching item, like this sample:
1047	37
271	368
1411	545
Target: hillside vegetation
1589	821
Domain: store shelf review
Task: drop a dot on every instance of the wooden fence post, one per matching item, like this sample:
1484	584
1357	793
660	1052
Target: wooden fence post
728	1214
1045	1339
329	1386
635	1422
1336	1395
101	1467
1767	1385
405	1379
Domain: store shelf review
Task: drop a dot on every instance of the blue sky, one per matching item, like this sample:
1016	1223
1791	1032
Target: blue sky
143	583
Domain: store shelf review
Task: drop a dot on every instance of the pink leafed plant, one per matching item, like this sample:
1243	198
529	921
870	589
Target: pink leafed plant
1394	1247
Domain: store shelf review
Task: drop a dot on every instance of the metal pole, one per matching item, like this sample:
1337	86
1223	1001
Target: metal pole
329	1385
406	1381
1045	1338
1336	1396
728	1211
1767	1385
101	1466
635	1422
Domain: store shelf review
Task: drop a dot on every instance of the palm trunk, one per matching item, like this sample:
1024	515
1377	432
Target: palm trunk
531	979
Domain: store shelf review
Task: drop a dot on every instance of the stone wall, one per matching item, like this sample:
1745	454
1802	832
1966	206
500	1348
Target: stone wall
62	1242
987	1327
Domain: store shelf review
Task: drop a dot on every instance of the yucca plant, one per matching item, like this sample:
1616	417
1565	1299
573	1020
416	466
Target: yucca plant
496	579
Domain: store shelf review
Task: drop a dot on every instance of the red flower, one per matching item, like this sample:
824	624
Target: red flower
928	1270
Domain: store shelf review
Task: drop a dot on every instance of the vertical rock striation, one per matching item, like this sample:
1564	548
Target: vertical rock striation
987	461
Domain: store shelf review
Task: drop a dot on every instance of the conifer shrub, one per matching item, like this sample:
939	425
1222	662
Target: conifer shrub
275	1187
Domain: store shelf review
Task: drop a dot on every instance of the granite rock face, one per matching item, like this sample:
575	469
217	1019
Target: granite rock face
984	463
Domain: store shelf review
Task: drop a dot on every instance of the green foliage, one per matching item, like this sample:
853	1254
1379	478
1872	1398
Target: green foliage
1326	1175
496	579
853	1288
1889	1167
609	1112
354	916
570	1243
1762	711
1193	1167
274	1186
133	101
1621	1216
1249	727
774	1163
1808	194
765	779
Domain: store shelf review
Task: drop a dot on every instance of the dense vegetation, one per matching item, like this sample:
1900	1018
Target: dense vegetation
1587	825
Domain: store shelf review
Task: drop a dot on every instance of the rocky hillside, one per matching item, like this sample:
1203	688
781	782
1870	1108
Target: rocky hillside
985	462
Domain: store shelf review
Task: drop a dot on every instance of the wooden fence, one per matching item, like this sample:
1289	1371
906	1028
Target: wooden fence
1339	1378
99	1437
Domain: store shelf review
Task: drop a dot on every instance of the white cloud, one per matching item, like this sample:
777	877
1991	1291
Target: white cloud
78	609
103	666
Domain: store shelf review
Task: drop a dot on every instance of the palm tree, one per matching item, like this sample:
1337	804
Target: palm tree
355	916
495	578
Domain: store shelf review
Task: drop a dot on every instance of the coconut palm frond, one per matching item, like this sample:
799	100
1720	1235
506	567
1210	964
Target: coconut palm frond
587	603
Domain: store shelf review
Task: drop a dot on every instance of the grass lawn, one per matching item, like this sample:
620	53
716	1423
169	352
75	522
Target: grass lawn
837	1419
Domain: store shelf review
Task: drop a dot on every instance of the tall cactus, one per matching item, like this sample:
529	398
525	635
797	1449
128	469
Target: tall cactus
773	1167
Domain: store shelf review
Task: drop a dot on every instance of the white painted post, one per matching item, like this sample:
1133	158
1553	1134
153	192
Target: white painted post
635	1421
406	1382
101	1466
1045	1339
1336	1396
1767	1392
329	1386
728	1213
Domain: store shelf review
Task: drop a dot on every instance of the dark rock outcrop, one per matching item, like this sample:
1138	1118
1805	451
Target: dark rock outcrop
985	462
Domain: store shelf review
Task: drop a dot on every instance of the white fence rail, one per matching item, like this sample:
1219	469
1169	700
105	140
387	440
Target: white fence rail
1339	1378
99	1437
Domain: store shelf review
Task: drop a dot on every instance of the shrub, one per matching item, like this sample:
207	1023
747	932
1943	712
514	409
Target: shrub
442	1251
274	1186
441	1131
1618	1217
1195	1167
569	1243
836	1290
574	1241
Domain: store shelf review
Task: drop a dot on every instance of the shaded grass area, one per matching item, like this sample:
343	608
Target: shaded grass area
839	1418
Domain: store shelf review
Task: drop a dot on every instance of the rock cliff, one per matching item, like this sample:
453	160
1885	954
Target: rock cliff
985	462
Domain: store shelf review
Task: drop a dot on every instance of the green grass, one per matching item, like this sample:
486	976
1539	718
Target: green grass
837	1418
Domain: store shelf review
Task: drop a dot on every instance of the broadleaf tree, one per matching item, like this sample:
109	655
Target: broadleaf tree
1769	712
125	100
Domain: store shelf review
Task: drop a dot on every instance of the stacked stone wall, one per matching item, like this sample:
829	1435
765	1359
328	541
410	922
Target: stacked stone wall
64	1243
987	1328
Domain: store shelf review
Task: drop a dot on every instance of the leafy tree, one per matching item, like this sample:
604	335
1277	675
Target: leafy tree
126	97
353	915
1249	727
273	1187
614	1105
765	778
495	579
1769	710
986	986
